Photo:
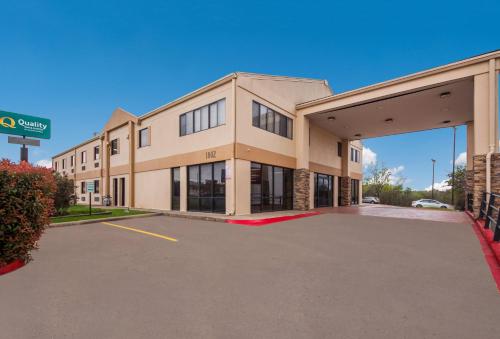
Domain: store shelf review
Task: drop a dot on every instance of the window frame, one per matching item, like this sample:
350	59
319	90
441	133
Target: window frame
117	147
83	157
203	118
264	118
140	143
97	154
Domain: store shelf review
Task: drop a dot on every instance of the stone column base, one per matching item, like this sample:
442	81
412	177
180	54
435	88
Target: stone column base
479	182
345	191
301	189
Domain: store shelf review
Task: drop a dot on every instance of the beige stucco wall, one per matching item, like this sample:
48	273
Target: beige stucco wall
356	167
122	158
323	147
152	189
243	187
165	138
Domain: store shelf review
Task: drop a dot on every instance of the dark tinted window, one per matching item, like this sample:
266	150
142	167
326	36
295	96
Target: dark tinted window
265	118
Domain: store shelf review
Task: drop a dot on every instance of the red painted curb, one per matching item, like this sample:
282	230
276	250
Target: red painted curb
12	266
266	221
491	250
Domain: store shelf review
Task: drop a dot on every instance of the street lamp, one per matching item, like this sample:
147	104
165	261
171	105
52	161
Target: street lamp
433	164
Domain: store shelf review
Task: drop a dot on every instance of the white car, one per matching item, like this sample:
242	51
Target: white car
371	200
430	203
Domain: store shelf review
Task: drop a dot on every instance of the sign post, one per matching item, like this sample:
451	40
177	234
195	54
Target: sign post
90	189
24	126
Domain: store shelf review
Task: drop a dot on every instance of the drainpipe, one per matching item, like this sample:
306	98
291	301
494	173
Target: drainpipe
233	159
493	125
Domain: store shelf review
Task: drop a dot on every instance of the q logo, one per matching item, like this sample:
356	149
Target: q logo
7	122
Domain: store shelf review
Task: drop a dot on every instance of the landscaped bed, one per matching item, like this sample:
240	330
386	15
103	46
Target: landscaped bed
81	212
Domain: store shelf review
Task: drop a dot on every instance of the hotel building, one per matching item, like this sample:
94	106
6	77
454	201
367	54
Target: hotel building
238	145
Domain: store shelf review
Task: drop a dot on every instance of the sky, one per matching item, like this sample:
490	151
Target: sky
74	62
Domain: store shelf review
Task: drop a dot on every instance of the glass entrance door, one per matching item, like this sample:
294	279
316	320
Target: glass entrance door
323	190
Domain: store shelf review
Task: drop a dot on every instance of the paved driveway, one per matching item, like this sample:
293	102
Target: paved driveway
389	211
327	276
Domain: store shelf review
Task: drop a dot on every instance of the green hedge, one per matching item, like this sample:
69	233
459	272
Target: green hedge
26	203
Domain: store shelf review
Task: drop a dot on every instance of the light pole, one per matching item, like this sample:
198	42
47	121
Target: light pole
453	171
432	191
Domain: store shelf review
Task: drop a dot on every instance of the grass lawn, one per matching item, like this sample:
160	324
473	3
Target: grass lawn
74	213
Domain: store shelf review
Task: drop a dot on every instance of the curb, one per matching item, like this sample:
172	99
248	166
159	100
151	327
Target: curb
92	221
491	250
266	221
12	266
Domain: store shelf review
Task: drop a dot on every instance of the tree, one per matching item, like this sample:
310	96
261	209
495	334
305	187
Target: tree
458	186
64	193
379	177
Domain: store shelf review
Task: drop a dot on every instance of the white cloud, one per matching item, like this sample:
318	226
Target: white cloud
461	160
44	163
439	186
369	157
396	178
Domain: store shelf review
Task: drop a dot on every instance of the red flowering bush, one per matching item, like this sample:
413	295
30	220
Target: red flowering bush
26	203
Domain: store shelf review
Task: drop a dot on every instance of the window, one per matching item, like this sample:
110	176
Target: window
96	153
208	116
72	161
83	187
63	163
96	186
83	157
144	137
55	165
176	188
271	121
339	149
207	187
114	147
271	188
355	155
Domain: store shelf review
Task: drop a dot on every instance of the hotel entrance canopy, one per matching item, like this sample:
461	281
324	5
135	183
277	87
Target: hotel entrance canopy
463	92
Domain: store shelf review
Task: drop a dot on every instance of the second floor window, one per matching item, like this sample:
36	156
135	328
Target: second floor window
55	165
84	157
114	147
355	155
144	137
63	163
72	161
339	149
203	118
265	118
96	153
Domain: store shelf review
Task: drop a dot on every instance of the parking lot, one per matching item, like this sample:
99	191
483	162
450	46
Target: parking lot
326	276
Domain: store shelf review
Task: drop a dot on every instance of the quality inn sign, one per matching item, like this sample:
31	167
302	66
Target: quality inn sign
24	125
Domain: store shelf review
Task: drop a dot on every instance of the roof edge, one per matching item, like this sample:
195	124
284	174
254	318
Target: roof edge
412	76
97	137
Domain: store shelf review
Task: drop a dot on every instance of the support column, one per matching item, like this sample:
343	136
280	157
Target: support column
131	163
484	134
345	187
183	196
106	163
301	180
345	191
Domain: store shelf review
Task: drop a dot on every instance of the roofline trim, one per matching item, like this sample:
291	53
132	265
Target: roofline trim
97	137
454	65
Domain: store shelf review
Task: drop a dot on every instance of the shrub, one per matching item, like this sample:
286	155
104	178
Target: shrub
26	203
64	195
